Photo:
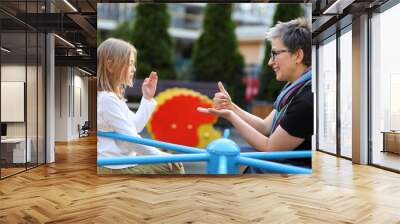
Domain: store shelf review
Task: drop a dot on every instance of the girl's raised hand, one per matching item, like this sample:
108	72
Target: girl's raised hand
150	85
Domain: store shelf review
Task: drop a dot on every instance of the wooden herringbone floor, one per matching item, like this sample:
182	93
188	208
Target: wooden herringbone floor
70	191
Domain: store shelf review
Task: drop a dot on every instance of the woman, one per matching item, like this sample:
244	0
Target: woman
290	125
116	61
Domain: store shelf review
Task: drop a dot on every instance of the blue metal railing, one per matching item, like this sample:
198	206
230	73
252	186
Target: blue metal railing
222	156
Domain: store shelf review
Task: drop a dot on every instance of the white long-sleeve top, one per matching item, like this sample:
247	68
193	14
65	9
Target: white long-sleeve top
113	115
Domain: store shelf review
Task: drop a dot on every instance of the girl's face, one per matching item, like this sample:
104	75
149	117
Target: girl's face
130	71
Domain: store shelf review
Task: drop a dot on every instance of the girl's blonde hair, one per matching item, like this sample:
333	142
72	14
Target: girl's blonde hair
112	59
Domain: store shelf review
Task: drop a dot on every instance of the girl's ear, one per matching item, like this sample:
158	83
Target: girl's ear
124	77
109	65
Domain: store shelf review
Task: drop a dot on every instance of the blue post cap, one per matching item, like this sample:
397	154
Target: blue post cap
223	146
227	132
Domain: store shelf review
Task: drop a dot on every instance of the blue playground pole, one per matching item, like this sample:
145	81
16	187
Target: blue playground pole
272	166
277	155
196	157
222	156
227	132
150	142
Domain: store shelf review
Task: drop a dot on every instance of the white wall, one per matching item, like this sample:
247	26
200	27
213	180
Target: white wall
33	126
14	73
61	103
71	102
80	101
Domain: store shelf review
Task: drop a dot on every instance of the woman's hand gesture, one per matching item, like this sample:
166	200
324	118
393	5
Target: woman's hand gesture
222	100
225	113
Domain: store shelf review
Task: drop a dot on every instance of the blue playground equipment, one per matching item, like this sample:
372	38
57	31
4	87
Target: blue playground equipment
222	156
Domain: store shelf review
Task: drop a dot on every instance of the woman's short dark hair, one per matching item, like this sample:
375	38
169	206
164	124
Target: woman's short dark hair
295	34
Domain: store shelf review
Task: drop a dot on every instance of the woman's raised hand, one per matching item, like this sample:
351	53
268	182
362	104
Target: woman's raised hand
222	100
150	85
225	113
222	104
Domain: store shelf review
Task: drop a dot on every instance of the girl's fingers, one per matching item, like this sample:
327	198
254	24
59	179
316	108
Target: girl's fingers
178	166
152	79
153	75
170	166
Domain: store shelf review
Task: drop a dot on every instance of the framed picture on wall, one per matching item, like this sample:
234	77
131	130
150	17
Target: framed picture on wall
12	101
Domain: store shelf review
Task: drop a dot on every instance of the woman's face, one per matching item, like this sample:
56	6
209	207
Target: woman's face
130	71
281	61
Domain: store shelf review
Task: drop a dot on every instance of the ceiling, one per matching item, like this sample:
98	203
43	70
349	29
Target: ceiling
329	13
74	22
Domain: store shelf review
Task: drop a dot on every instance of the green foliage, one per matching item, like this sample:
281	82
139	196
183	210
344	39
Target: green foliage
151	38
123	31
269	86
287	11
216	55
99	38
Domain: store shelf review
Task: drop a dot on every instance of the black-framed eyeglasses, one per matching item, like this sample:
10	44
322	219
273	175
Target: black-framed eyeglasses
274	53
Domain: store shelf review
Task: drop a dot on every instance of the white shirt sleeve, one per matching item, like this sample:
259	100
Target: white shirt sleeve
143	113
113	115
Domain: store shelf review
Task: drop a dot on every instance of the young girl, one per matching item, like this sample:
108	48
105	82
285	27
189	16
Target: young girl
115	70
